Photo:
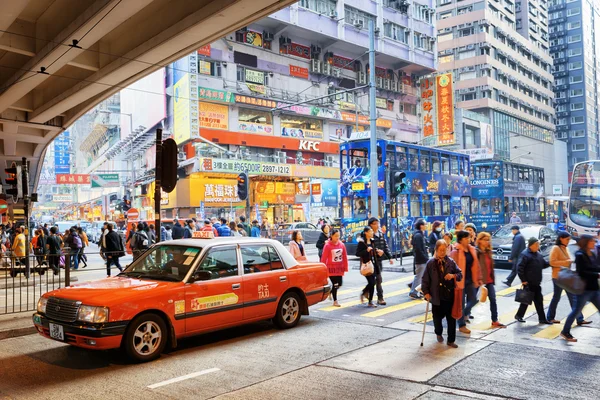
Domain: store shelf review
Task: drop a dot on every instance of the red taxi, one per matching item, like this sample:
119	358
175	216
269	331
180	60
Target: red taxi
183	288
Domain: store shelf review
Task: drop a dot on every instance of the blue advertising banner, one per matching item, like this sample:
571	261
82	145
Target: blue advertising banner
328	195
62	156
487	218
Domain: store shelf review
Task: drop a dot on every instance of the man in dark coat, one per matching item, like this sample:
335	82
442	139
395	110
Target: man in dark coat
113	248
420	257
518	245
177	230
381	249
530	269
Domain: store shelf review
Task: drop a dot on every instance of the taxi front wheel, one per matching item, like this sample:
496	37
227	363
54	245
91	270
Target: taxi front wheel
288	311
146	337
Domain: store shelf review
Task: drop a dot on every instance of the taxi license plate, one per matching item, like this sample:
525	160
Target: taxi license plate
57	332
502	258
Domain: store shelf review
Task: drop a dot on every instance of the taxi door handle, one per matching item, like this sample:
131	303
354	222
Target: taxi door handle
283	278
236	286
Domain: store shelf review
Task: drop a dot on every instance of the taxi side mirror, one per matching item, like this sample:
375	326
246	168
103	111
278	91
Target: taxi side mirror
201	275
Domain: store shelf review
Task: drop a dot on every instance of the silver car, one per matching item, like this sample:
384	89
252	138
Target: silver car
310	232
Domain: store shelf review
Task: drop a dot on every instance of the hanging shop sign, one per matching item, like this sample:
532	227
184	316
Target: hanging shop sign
254	101
204	67
105	180
428	111
253	38
381	102
62	198
73	179
445	109
364	120
253	76
204	50
215	95
311	111
260	89
341	62
295	49
183	121
214	116
271	169
299	72
219	191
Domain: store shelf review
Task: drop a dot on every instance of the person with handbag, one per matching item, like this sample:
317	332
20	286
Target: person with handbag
531	264
438	284
336	260
465	257
297	246
560	258
486	264
366	252
587	268
113	249
420	257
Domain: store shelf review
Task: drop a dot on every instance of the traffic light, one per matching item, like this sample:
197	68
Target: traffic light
242	186
397	182
168	179
14	180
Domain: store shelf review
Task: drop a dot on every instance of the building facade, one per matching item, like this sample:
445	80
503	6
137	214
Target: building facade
575	47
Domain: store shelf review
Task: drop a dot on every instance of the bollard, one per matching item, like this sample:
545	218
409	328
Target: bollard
67	253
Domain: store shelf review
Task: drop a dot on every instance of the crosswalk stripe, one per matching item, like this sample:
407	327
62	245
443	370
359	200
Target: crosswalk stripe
508	317
385	283
507	291
391	309
347	304
553	331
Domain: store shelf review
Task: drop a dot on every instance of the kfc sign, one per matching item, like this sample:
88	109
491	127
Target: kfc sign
308	145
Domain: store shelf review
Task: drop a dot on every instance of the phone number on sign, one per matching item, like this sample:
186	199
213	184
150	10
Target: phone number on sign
275	169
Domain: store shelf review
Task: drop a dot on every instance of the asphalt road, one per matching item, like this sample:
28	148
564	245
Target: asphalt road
350	352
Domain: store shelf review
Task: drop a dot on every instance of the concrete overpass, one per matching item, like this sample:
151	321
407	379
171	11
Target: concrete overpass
59	58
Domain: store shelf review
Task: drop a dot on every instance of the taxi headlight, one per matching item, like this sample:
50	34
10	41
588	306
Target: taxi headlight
41	305
92	314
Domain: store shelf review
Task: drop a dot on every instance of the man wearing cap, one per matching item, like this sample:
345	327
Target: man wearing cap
530	268
518	246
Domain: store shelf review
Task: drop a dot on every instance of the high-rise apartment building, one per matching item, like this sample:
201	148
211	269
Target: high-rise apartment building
499	54
575	48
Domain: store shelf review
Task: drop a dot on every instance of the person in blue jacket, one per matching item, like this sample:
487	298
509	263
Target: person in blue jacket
255	231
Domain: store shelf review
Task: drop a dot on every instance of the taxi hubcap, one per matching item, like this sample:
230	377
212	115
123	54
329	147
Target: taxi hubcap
290	310
147	337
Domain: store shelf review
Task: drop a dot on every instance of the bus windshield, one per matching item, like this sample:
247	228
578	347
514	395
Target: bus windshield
584	200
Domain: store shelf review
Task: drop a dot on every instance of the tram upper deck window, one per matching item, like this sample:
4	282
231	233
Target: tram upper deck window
453	165
359	158
425	167
413	159
390	154
445	164
345	161
507	172
435	163
401	160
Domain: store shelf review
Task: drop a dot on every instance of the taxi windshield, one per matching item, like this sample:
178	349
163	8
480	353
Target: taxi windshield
163	262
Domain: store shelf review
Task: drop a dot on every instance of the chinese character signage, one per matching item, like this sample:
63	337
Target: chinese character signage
271	169
254	101
62	158
325	193
364	120
276	192
73	179
341	62
381	102
428	114
299	72
214	116
215	95
295	49
253	76
445	109
260	89
204	50
220	191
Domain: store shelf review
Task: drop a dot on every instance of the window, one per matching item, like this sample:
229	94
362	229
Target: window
355	16
573	11
301	127
427	205
576	79
415	208
212	68
578	147
437	205
465	204
165	263
574	25
576	106
220	262
441	38
397	32
260	258
578	133
326	7
575	52
446	59
578	120
255	121
575	92
574	38
446	205
575	65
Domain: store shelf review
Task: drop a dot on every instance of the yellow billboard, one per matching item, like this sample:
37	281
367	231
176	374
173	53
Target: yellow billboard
215	116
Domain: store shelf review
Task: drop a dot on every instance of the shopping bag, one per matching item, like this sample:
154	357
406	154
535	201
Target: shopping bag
524	296
367	268
570	281
482	294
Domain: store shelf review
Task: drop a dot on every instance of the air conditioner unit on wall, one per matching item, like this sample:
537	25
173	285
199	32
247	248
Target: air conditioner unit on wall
362	78
315	66
327	69
337	72
379	82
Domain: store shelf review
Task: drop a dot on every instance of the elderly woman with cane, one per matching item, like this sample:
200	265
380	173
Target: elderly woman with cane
439	280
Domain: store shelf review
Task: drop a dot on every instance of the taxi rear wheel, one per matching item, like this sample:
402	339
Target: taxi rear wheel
288	311
146	337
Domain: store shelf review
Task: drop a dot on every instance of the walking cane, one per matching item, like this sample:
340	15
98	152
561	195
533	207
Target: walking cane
425	322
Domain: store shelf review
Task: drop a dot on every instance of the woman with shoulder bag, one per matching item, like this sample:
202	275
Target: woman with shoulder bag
561	258
366	251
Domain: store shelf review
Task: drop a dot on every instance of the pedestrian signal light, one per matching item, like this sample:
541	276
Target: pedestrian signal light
13	179
398	185
242	186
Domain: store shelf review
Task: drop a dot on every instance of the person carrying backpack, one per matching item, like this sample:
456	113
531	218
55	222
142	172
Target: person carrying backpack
74	242
140	241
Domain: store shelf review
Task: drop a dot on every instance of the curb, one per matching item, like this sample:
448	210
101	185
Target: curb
13	333
15	282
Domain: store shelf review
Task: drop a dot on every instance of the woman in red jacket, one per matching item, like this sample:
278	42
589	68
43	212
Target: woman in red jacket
335	258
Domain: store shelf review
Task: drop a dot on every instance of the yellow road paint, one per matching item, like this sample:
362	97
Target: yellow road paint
347	304
385	283
509	316
507	291
397	307
553	331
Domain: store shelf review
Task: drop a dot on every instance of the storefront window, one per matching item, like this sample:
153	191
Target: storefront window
255	121
301	127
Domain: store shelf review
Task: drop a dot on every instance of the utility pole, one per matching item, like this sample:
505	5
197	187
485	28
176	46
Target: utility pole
26	206
157	183
374	206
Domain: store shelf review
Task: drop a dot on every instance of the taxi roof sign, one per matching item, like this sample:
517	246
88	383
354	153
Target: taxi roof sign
203	235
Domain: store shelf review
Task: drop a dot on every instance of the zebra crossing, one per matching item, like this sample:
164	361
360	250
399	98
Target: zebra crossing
406	313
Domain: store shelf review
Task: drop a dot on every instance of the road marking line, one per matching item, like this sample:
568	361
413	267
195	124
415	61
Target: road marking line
183	378
507	291
391	309
509	317
385	283
553	331
356	302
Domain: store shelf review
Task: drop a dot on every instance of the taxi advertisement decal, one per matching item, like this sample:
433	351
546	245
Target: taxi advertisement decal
179	307
208	302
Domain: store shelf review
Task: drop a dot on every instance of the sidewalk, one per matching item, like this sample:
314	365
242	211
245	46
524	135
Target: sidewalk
14	325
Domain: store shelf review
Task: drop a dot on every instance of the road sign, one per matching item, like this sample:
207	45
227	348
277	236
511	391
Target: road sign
105	180
133	214
3	206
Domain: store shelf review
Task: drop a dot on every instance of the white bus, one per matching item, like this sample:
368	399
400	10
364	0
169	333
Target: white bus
583	215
